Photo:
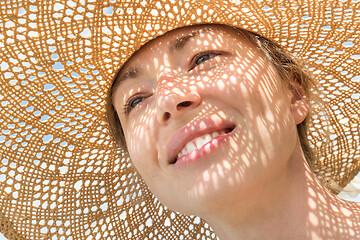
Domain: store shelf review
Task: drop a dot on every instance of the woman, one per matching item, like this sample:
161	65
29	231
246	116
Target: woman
209	115
63	175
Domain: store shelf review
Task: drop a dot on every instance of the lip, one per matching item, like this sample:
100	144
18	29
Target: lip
193	130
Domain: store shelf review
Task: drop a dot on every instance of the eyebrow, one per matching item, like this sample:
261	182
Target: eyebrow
180	43
130	73
175	46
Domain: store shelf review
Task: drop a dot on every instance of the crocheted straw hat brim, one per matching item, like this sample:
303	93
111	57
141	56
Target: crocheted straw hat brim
60	175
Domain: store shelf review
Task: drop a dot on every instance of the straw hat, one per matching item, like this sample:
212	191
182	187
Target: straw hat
61	176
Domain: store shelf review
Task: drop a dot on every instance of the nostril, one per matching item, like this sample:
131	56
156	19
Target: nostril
183	104
166	116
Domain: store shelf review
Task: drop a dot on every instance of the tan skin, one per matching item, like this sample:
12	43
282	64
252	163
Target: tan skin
253	182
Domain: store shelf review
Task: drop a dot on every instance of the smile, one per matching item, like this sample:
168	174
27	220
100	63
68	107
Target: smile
198	142
197	139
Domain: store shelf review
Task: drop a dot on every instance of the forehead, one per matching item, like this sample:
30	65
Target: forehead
176	39
173	42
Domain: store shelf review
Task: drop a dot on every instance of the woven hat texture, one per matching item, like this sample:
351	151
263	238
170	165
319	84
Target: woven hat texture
61	176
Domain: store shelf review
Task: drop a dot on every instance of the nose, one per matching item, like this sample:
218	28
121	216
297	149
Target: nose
174	97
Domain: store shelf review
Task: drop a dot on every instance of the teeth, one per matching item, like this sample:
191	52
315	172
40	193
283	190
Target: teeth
208	137
214	134
198	143
184	151
190	147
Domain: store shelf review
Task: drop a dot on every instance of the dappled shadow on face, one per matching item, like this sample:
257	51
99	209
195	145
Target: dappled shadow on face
197	81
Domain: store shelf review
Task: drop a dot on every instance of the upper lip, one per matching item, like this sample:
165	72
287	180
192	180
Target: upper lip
191	131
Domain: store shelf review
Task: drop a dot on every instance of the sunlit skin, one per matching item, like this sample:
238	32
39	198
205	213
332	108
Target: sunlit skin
252	182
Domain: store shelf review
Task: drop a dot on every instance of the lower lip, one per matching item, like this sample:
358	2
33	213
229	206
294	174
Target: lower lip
204	150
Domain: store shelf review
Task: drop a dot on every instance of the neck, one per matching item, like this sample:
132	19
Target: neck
293	205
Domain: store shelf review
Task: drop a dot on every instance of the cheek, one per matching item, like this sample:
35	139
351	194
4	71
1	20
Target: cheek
265	107
141	140
250	88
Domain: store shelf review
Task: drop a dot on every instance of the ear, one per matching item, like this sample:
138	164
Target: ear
299	103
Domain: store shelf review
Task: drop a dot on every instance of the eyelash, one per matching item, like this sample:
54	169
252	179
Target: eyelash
130	101
193	64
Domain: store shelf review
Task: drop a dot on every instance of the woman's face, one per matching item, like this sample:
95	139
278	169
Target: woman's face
206	118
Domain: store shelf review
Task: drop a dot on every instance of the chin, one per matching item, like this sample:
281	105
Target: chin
213	195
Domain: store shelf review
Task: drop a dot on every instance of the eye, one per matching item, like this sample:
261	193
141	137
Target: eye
132	103
136	101
203	57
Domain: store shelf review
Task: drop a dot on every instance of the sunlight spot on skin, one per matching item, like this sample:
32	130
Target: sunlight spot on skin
162	82
170	84
227	165
311	192
263	159
312	203
245	160
206	79
250	136
349	222
314	235
233	79
162	68
254	72
346	212
262	61
238	177
201	189
225	76
313	219
217	118
264	85
221	114
249	62
250	53
189	82
221	85
270	118
212	73
176	91
213	45
243	88
166	60
249	77
202	125
220	170
201	67
240	69
215	180
322	198
206	176
193	88
334	208
137	130
156	62
233	144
